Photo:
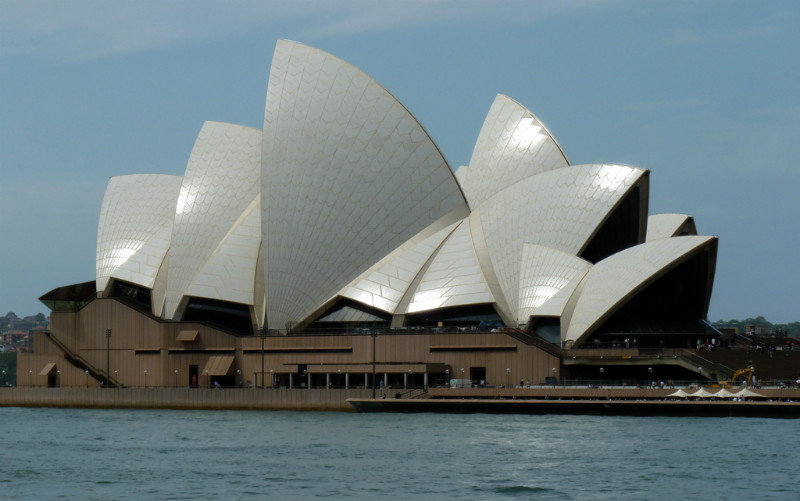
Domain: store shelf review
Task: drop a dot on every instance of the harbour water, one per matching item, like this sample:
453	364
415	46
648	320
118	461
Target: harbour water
169	454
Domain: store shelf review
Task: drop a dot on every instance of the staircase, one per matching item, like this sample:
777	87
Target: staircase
688	359
534	340
81	363
415	393
713	370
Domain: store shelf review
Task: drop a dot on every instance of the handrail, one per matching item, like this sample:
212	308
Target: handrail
534	340
139	307
414	393
720	369
72	358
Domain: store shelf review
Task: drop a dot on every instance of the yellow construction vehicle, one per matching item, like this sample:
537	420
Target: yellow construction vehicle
748	373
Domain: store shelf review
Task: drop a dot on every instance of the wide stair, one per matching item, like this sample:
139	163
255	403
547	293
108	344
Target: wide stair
83	364
688	359
703	366
414	393
534	340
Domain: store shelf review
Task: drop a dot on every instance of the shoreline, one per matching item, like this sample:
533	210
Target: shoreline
606	407
536	400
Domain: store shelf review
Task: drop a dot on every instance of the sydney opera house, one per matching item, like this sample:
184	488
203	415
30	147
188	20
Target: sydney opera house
337	243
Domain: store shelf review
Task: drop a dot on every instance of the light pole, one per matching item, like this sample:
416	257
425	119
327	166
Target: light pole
263	333
208	378
508	377
239	377
176	377
116	375
373	360
447	377
145	378
554	375
108	355
58	378
87	377
602	370
271	378
30	377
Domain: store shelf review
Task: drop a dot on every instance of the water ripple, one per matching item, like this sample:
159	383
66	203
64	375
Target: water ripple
160	454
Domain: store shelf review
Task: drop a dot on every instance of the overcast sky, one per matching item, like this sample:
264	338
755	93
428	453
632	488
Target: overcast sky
704	94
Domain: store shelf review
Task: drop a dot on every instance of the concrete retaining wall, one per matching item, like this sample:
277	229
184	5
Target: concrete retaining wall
183	398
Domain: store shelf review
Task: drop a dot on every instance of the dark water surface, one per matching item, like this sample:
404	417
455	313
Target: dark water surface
155	454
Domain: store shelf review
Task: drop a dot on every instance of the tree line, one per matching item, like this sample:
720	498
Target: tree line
791	329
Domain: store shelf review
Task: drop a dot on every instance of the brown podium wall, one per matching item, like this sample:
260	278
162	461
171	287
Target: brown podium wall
140	342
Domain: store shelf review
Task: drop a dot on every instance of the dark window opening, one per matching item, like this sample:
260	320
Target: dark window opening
478	375
618	232
70	297
131	292
481	315
347	315
233	317
666	313
547	328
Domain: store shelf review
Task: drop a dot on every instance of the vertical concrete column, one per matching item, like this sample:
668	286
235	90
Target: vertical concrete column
386	380
346	380
309	381
327	379
425	380
405	380
366	378
291	380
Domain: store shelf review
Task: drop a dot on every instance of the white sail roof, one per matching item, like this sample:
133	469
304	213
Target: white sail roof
222	180
454	276
134	230
544	272
344	195
348	176
613	280
669	225
559	209
385	284
512	145
229	273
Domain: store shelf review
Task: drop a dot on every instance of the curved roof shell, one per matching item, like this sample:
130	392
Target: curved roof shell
348	176
229	273
453	277
560	209
544	273
612	281
134	230
512	145
385	284
222	181
345	198
669	225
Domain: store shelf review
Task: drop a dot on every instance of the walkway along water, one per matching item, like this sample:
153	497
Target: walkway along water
539	400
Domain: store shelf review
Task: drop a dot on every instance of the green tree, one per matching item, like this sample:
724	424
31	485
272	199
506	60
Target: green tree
8	368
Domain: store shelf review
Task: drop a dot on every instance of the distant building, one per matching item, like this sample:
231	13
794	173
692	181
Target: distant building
341	219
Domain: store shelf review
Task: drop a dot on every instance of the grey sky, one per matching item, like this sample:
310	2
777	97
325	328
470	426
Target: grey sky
702	94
